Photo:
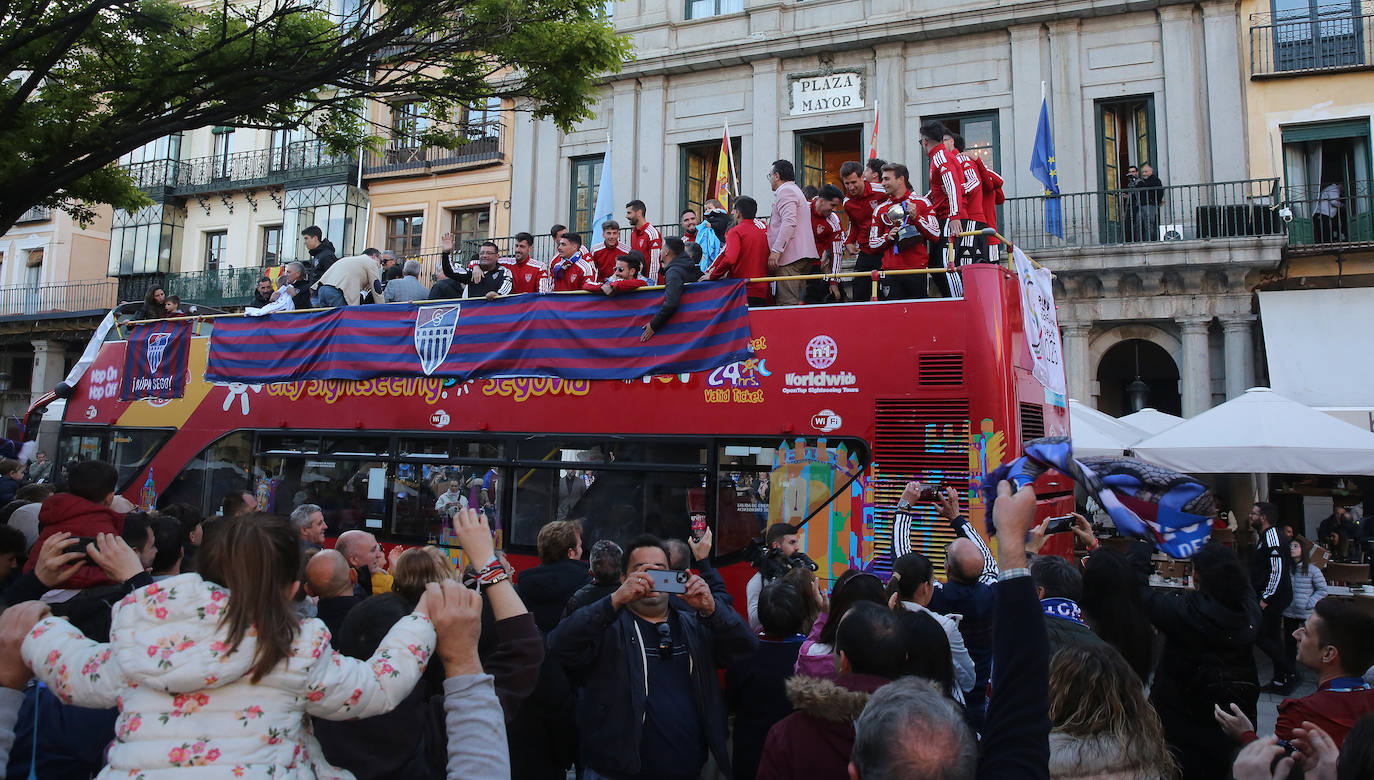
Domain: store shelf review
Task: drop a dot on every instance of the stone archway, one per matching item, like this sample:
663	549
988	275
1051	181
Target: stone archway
1112	354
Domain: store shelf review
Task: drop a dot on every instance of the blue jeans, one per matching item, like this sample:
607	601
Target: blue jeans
331	296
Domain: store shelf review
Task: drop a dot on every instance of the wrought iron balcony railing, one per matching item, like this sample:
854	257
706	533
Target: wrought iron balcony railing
1327	38
402	156
97	295
1179	213
240	170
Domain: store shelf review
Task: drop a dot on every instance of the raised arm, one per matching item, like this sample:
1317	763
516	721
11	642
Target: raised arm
79	670
343	688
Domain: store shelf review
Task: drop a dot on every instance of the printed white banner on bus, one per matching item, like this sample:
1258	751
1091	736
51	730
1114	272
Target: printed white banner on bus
1042	326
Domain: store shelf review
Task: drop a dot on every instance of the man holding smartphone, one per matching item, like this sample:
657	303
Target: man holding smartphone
665	656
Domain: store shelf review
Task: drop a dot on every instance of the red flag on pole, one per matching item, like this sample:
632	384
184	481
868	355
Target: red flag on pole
873	142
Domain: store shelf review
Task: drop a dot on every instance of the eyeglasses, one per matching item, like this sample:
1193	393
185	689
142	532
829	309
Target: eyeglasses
665	641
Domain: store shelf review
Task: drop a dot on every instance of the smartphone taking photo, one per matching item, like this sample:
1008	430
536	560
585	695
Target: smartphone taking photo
668	580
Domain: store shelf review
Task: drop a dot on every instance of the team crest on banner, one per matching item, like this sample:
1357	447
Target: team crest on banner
434	327
155	361
1042	326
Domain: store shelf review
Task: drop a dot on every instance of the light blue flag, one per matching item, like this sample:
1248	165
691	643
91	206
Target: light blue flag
1042	168
605	199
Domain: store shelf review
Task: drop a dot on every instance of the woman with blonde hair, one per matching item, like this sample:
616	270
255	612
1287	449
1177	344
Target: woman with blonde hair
1102	726
417	567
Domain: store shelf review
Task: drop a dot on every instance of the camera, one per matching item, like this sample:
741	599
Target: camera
771	563
668	580
1286	214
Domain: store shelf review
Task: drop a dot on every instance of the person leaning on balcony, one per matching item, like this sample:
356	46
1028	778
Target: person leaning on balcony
408	287
348	278
1327	213
1149	194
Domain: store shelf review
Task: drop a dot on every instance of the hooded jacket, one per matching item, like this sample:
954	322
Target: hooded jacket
78	517
187	708
322	256
1094	758
600	648
816	740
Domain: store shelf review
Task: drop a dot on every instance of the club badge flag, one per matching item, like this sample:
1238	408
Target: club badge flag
723	172
1172	511
155	361
575	336
1042	326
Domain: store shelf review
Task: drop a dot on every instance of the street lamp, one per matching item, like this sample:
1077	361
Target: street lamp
1138	391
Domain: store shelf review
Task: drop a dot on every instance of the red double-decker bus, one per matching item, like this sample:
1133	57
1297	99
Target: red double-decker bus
839	406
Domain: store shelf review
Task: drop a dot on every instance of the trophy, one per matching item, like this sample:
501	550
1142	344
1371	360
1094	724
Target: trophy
897	216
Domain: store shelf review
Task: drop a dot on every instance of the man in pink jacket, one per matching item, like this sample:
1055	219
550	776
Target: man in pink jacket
792	247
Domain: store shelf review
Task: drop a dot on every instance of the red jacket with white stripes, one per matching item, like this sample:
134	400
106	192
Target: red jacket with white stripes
946	184
921	214
860	213
573	273
605	258
617	285
973	189
828	237
526	277
745	256
992	194
649	242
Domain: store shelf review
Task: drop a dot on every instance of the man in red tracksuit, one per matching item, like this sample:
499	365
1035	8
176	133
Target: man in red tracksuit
573	268
946	191
609	250
860	199
745	255
645	239
974	197
920	213
624	278
525	275
825	227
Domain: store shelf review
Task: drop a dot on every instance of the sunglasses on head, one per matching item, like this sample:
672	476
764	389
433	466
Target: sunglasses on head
665	641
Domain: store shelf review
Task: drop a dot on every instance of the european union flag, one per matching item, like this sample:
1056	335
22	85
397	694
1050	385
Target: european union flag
1042	168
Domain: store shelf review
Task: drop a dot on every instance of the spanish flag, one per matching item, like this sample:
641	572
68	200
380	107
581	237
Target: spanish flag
723	171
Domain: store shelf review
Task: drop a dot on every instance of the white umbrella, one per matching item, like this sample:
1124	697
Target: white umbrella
1151	421
1262	432
1096	433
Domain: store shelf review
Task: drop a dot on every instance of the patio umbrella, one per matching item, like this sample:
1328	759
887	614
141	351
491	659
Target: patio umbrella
1151	421
1096	433
1262	432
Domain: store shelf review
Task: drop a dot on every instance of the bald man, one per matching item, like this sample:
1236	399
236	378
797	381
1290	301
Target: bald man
329	578
970	572
364	556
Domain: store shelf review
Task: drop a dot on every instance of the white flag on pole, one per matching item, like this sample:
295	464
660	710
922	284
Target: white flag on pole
1042	326
605	199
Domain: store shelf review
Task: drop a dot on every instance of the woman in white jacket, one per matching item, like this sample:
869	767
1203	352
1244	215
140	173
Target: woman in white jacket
210	684
1309	587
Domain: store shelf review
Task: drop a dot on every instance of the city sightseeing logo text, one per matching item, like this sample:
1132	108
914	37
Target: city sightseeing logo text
821	354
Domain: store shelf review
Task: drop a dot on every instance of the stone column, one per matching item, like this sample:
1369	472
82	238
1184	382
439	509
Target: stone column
1074	140
624	150
1027	71
1225	103
763	149
1184	94
1239	349
888	86
1196	369
49	359
1076	368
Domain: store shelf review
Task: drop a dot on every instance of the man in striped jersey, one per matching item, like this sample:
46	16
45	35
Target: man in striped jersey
1269	576
645	239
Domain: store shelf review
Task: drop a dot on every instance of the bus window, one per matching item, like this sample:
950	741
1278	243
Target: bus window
219	468
425	495
617	504
443	448
743	495
132	448
379	446
76	444
351	493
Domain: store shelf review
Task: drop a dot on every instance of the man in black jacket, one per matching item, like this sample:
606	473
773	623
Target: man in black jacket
322	252
294	275
604	566
1270	577
329	578
546	588
681	269
665	658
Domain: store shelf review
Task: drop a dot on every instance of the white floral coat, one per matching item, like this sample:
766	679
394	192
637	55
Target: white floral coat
186	706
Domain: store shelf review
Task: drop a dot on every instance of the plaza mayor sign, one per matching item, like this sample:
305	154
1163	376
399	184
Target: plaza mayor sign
834	90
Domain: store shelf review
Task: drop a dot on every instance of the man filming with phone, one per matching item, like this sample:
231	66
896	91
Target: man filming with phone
665	657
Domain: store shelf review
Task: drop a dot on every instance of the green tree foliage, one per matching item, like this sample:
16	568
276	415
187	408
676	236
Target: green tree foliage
90	80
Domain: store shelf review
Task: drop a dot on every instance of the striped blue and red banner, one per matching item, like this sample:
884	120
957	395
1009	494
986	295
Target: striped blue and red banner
155	361
567	336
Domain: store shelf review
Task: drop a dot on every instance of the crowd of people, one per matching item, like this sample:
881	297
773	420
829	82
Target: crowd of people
172	643
890	227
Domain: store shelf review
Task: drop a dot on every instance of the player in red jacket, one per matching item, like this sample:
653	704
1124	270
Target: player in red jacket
644	238
625	277
861	197
974	200
609	250
574	267
921	215
526	276
825	227
745	255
